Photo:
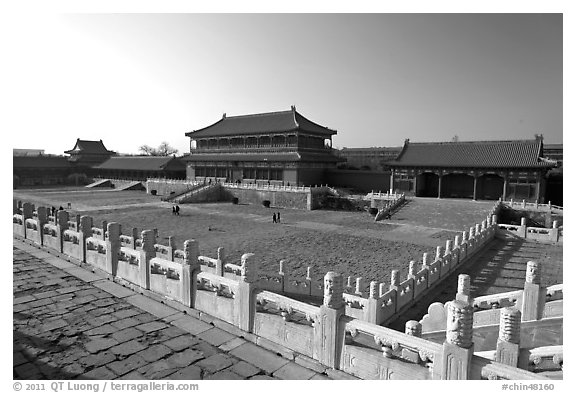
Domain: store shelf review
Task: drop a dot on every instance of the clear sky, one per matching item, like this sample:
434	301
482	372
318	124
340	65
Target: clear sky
133	79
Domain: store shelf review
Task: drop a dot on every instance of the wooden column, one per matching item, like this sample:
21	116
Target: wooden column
475	187
505	176
392	181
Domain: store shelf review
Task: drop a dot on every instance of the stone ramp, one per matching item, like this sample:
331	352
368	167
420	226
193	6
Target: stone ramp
501	267
100	183
132	186
70	323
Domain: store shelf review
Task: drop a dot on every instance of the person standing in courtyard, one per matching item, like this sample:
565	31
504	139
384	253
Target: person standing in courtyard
278	218
173	210
177	210
274	218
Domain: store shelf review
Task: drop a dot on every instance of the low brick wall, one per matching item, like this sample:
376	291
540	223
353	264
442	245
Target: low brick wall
165	187
277	198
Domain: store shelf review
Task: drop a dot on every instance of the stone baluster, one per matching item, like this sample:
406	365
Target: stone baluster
381	289
245	299
85	230
523	229
171	247
348	288
112	247
508	344
412	270
220	261
146	254
27	212
372	310
438	253
60	227
458	348
329	332
394	280
534	295
463	293
358	290
190	270
42	220
104	228
555	233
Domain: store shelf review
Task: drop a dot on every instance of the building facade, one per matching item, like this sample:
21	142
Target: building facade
141	168
369	158
477	170
276	148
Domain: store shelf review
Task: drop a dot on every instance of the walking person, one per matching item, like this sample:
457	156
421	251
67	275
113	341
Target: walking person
173	210
177	210
274	218
278	218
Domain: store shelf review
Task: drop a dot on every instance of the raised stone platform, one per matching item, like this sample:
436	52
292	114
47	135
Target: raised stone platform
70	323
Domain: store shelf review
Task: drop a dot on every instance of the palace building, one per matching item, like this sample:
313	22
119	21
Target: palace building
276	148
479	170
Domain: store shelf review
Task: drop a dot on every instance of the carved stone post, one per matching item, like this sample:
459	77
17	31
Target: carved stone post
15	206
508	344
358	290
43	219
146	254
463	293
104	228
381	289
60	227
112	247
534	296
85	232
27	212
372	311
190	270
438	253
522	230
329	332
245	301
458	348
456	251
554	234
412	270
220	262
171	247
282	275
464	245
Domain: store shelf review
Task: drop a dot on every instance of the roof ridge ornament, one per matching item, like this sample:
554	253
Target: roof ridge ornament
224	115
293	107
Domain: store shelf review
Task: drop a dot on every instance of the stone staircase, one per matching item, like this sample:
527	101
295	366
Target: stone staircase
501	267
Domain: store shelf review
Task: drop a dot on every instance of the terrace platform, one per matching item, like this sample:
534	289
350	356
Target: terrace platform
70	323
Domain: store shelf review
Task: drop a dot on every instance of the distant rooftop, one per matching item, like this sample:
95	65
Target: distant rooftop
88	147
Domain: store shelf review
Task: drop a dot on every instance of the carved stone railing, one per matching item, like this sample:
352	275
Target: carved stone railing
367	350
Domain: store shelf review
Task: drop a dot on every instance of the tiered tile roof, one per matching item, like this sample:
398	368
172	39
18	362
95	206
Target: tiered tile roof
261	123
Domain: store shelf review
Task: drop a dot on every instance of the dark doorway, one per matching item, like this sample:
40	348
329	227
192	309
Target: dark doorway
457	185
427	185
490	187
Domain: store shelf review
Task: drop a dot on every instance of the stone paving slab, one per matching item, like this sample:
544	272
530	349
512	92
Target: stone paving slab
259	357
293	371
72	324
114	289
153	307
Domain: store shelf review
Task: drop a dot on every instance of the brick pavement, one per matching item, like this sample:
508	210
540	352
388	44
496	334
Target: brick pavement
70	323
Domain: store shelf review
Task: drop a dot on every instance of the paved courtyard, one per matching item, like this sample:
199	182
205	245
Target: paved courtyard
350	243
70	323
